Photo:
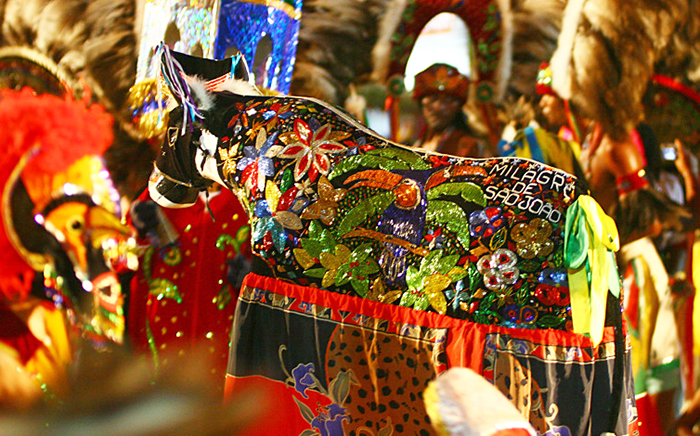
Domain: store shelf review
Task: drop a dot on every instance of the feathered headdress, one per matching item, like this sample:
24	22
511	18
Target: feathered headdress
48	142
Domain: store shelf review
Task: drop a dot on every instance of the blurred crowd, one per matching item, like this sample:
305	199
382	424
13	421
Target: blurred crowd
116	313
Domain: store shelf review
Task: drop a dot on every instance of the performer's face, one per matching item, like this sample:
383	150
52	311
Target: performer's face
440	110
553	111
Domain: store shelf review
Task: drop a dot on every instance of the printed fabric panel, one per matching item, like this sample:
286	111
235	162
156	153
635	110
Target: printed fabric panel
333	364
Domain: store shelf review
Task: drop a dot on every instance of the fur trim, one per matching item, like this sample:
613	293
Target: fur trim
205	99
199	92
95	41
239	87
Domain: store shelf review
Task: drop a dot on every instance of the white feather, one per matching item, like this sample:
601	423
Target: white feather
504	64
381	52
561	60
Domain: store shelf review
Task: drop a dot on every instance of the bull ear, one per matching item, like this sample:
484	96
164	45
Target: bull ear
213	70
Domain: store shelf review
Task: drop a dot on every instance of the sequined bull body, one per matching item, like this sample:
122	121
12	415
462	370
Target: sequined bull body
358	240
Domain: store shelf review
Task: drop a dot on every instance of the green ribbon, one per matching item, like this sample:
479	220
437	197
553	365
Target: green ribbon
590	243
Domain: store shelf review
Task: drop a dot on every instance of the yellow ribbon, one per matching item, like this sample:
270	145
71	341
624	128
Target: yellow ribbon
589	245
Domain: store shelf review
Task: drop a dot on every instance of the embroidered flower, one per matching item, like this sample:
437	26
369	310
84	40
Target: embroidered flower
553	288
277	212
458	297
484	223
275	112
310	149
499	269
326	204
532	238
357	269
333	261
427	285
257	163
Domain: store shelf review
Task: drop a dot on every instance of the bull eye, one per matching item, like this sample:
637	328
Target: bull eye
75	224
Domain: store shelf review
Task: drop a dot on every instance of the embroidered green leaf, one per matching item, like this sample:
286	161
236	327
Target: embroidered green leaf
315	229
408	299
430	263
529	265
390	297
305	410
451	217
327	241
343	274
304	258
522	295
313	247
549	321
360	286
468	191
361	253
457	273
447	263
242	236
422	302
387	159
364	210
287	180
308	432
223	298
146	263
317	273
365	161
437	300
475	277
328	278
414	160
370	267
413	278
224	240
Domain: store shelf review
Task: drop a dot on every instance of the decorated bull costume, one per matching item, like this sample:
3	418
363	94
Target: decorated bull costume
378	267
